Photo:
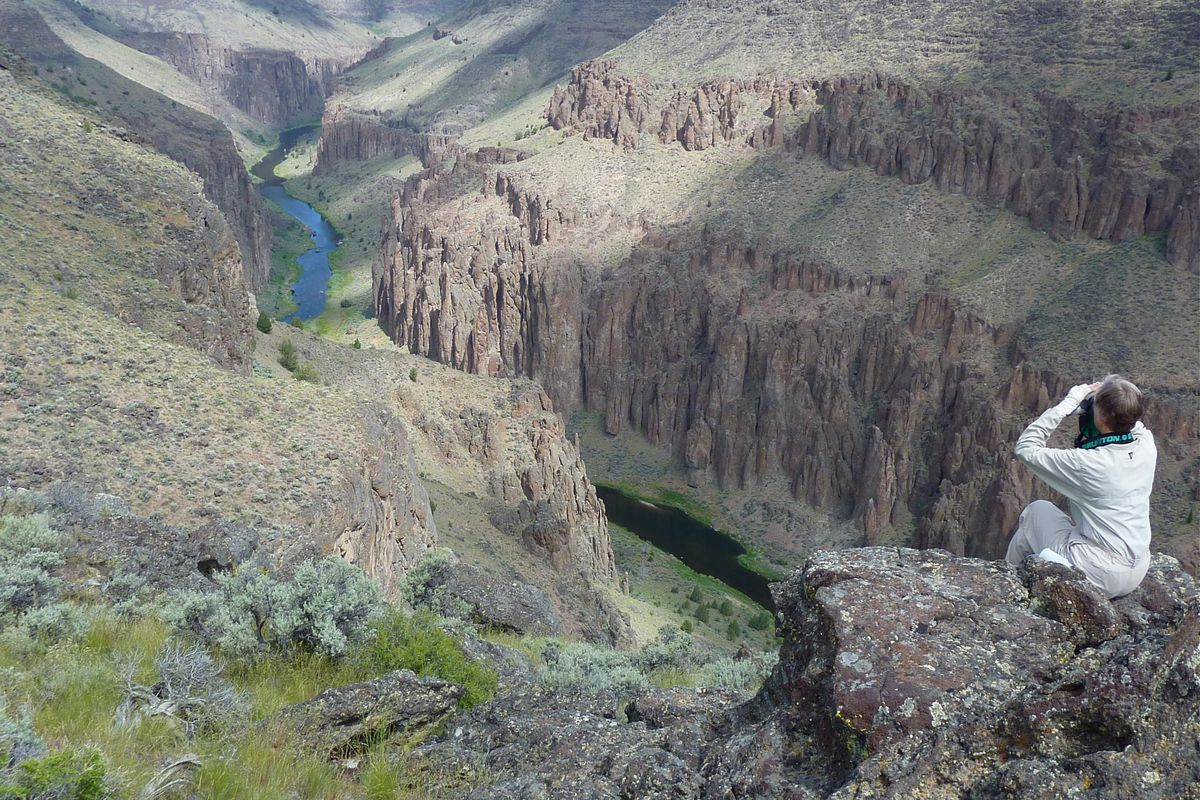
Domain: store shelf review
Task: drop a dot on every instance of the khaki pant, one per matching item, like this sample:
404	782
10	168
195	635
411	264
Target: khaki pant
1043	525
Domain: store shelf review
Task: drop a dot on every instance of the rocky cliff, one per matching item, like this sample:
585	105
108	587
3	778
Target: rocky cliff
1114	175
745	363
278	87
514	490
972	679
348	136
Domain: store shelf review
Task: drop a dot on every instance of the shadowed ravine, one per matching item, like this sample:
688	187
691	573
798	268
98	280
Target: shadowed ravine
704	549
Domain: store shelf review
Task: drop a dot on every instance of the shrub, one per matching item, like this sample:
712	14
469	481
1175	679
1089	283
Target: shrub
596	668
264	322
191	689
733	631
696	595
412	374
672	649
346	302
56	622
307	372
357	345
320	608
702	614
287	355
18	740
65	775
687	626
417	642
28	550
297	323
761	621
726	607
745	673
590	667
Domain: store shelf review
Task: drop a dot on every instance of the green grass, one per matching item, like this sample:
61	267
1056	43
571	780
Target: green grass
73	690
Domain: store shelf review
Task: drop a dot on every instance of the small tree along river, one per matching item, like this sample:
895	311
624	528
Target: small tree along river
310	289
704	549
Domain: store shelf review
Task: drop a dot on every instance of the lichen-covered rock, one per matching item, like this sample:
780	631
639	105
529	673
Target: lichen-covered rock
903	674
509	605
347	719
1065	595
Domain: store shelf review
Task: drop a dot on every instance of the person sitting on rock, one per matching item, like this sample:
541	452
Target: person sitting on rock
1107	477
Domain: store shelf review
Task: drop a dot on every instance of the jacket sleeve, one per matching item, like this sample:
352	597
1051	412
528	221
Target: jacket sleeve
1062	470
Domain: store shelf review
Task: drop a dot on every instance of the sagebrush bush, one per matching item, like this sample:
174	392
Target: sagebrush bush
264	322
744	673
18	740
320	608
418	643
28	551
56	622
423	588
595	668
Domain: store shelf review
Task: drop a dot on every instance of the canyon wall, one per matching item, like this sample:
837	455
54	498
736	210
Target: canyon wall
745	363
1112	175
276	87
349	136
197	141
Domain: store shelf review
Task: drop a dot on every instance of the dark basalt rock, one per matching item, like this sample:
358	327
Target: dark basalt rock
903	673
347	719
509	605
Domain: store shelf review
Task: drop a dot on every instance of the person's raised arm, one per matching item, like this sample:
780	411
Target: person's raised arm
1060	469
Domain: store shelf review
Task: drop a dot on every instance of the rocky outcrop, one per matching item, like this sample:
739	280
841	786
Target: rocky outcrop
514	606
1112	175
349	136
381	519
348	720
968	681
273	86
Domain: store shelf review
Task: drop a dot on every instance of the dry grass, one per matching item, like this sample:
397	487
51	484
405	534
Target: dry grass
1096	51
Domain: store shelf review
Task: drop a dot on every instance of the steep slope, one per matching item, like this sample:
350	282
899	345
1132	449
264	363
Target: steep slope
192	138
122	286
827	279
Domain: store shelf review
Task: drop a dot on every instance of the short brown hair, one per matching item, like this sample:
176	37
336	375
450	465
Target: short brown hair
1119	403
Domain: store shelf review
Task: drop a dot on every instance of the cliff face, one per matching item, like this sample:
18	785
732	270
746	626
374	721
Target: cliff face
1112	175
348	136
274	86
381	520
746	363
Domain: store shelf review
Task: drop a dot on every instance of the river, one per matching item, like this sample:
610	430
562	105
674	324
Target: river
704	549
310	290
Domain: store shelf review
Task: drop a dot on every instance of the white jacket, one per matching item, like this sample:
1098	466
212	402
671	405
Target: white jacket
1109	487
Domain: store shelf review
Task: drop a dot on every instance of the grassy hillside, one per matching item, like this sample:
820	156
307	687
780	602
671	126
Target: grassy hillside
1129	52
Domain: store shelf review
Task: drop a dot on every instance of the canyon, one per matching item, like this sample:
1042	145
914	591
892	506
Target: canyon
876	393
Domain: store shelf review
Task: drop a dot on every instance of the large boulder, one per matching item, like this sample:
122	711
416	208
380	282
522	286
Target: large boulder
903	674
509	605
345	720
